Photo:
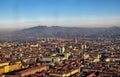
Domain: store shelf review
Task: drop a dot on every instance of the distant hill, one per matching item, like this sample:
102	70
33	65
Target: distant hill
62	32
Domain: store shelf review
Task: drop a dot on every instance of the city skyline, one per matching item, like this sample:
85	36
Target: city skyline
79	13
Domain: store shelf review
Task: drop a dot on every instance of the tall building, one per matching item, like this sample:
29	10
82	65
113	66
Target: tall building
83	46
63	49
58	49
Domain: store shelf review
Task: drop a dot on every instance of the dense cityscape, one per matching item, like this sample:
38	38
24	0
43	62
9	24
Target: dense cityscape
59	38
57	57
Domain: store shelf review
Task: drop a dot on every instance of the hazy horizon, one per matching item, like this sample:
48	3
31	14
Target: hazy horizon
18	29
19	14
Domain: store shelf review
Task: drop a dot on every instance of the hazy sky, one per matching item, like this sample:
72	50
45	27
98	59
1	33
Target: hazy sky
82	13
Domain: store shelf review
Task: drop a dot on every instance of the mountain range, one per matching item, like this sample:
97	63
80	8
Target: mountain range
60	32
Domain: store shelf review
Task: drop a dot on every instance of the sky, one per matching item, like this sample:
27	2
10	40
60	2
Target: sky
80	13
